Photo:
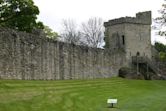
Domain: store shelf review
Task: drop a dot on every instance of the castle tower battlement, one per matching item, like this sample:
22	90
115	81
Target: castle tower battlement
132	34
141	18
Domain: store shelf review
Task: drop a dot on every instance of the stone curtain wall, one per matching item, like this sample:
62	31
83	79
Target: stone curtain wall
31	57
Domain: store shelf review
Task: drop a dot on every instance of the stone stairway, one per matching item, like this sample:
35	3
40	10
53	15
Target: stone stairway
145	60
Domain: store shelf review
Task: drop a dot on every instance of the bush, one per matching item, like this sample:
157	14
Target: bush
129	73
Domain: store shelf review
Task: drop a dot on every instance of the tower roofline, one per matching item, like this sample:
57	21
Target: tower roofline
141	18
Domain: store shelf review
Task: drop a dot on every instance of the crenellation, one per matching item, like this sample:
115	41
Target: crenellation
132	34
141	18
35	57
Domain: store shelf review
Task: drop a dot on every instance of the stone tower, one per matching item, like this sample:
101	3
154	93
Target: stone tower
131	34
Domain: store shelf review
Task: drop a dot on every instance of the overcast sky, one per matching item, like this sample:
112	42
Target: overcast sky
52	12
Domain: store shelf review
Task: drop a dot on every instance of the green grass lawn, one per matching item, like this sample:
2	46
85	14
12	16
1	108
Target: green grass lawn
82	95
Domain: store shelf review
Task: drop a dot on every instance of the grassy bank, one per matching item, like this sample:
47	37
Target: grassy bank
82	95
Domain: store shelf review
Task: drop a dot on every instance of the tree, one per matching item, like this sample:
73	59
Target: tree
162	50
160	22
70	33
50	33
93	32
160	47
19	14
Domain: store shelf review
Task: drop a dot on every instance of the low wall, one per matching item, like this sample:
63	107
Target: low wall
32	57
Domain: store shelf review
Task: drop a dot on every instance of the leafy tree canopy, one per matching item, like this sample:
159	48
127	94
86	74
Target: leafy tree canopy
160	47
162	50
50	33
20	15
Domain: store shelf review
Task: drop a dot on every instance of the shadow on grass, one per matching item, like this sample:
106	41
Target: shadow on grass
110	108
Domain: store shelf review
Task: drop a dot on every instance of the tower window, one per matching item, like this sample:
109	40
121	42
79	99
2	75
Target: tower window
138	54
123	39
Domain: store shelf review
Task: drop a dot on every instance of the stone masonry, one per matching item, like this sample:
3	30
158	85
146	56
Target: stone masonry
131	34
35	57
32	57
